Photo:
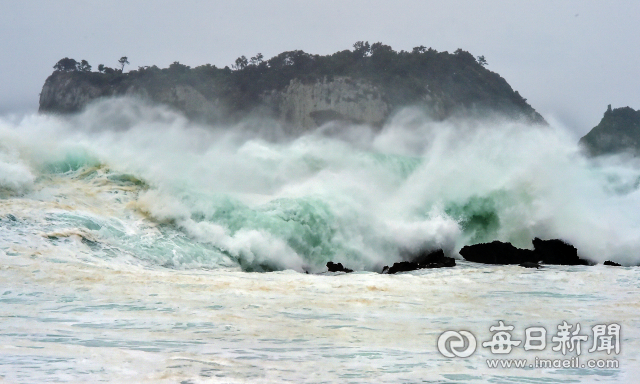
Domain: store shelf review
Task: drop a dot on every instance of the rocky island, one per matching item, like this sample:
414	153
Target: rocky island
617	132
363	85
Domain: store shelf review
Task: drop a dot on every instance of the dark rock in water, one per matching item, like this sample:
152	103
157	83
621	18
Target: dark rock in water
553	251
435	259
403	266
556	252
528	264
425	258
497	252
337	267
612	263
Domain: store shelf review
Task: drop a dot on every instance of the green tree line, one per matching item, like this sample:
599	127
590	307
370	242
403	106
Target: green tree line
405	76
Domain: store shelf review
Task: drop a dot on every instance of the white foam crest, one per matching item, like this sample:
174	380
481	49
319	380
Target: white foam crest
250	246
15	175
545	186
385	191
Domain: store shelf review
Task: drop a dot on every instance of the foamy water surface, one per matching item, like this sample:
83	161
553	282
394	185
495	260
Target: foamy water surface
136	246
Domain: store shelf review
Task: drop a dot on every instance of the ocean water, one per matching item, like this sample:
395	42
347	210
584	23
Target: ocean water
137	246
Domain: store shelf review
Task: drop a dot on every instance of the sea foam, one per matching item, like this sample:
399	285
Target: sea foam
354	194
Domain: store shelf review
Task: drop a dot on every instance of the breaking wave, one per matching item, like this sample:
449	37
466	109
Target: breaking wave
138	182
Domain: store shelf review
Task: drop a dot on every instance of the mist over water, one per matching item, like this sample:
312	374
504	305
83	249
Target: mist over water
143	183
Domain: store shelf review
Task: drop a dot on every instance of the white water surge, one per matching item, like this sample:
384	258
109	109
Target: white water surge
127	233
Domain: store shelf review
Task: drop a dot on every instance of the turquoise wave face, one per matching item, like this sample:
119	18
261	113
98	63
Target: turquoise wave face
306	224
478	217
73	160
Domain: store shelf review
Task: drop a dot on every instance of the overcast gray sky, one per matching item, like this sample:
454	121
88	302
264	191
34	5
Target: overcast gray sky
568	58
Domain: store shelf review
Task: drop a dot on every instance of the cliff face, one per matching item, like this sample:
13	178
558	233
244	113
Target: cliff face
302	105
306	91
184	98
617	132
66	92
345	99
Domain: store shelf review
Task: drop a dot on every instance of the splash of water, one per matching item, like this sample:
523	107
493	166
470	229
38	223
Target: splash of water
143	181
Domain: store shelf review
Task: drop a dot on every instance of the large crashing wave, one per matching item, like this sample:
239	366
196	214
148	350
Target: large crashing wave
179	194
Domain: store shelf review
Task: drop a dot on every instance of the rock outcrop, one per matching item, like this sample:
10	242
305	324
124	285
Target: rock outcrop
497	252
423	260
617	132
337	267
612	263
554	252
68	92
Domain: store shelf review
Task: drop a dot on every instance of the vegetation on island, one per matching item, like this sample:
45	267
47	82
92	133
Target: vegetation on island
617	132
406	77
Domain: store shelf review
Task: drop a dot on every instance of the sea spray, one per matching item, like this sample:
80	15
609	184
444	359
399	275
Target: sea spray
182	195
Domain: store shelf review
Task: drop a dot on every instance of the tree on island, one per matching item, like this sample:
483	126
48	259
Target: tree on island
106	70
362	48
481	60
176	67
84	66
241	62
66	65
420	49
257	59
123	60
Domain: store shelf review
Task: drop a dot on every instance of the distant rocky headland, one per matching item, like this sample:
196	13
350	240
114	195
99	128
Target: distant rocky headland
363	85
617	132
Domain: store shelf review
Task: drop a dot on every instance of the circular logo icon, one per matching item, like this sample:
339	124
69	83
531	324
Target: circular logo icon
451	344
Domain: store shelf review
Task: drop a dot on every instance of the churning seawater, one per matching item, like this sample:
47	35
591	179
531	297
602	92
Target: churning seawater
128	234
